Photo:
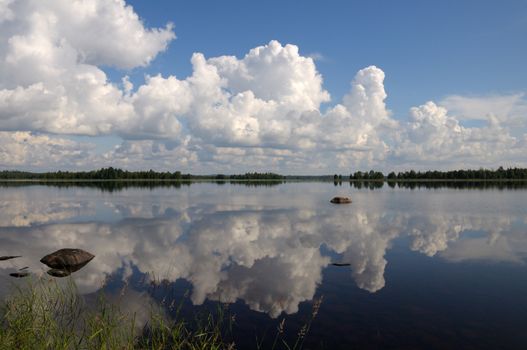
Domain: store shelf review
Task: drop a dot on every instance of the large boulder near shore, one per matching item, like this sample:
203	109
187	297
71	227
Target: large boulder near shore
340	200
67	259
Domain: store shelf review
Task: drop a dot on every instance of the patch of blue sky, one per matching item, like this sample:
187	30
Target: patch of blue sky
428	49
102	143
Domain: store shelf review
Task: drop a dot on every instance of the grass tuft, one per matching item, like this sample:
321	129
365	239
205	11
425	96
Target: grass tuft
45	314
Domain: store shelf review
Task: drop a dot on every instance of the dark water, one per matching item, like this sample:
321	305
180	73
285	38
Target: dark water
428	267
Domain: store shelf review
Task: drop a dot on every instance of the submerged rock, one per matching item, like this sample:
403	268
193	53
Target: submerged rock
19	274
59	273
8	257
67	259
340	200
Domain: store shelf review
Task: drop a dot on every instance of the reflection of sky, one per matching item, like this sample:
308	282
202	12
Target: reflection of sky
260	245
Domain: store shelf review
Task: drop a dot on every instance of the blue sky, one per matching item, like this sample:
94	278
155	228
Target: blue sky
420	84
428	49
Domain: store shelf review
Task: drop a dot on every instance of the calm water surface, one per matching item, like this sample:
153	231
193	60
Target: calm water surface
428	268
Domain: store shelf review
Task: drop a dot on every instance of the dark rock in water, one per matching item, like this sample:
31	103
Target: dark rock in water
340	200
59	273
19	274
64	262
67	259
7	257
340	264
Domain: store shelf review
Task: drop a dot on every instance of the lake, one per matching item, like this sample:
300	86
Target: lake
429	266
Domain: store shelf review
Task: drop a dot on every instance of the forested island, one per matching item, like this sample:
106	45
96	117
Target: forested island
119	174
468	174
111	173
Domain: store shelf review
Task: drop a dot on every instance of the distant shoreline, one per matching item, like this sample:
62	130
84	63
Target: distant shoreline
213	180
115	174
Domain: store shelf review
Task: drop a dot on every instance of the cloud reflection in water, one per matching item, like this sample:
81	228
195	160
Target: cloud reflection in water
246	244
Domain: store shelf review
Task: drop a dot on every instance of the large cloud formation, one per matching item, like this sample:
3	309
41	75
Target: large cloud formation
262	111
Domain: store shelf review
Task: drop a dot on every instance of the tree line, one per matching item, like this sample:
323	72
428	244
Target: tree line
111	173
480	174
101	174
251	176
119	174
468	174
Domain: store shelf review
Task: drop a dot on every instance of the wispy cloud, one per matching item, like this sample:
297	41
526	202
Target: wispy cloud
318	57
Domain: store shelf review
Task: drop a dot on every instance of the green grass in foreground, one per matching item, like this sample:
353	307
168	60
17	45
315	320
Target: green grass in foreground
43	314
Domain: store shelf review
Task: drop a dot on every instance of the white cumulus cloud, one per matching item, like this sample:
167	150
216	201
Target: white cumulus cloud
265	110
